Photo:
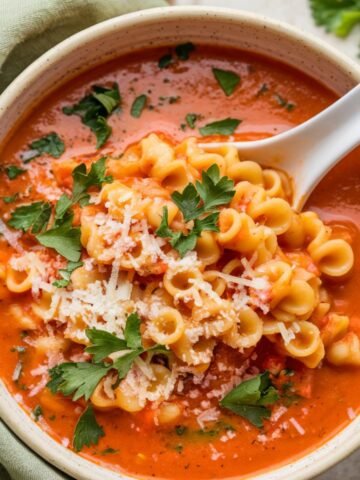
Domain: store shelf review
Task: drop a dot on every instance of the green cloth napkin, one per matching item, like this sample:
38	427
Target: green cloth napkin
30	27
27	29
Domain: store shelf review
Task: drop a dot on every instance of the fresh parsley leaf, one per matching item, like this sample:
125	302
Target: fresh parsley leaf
103	343
337	16
193	202
37	413
284	103
221	127
185	243
11	198
87	430
138	106
64	239
209	223
101	129
51	144
65	273
62	209
178	240
77	379
227	80
108	97
124	363
12	171
250	399
132	332
188	202
95	108
183	50
83	180
34	216
215	190
164	230
191	119
165	61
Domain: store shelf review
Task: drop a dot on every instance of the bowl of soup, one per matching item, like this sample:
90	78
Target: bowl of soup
165	312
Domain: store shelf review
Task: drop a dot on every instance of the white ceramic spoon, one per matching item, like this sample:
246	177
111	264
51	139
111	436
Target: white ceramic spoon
308	152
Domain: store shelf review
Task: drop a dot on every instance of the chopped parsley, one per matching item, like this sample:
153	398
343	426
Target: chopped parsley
34	217
251	398
220	127
194	202
64	239
37	413
191	119
65	274
11	198
227	80
95	108
50	144
284	103
87	431
138	106
108	451
62	236
180	430
165	61
83	181
80	379
183	50
12	171
337	16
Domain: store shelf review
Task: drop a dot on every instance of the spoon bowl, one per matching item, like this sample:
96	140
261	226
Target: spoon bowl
307	152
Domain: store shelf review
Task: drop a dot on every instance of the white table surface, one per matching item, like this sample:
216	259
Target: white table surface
297	13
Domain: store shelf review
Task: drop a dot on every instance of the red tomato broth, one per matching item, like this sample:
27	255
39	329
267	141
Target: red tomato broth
141	448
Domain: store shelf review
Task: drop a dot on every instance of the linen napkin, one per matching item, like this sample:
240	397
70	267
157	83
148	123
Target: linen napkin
29	28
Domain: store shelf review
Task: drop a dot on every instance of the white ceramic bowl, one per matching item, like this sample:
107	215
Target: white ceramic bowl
166	26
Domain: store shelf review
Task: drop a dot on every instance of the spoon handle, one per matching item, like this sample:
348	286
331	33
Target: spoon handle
308	151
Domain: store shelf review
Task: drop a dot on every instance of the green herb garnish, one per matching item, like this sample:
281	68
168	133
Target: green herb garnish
138	106
12	171
191	119
165	61
95	108
227	80
65	274
183	50
37	413
251	398
337	16
220	127
284	103
80	379
34	217
194	202
50	144
83	180
87	431
11	198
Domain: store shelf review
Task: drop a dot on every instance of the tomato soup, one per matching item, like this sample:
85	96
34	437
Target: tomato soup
164	312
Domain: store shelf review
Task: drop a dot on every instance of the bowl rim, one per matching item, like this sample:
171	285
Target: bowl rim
10	411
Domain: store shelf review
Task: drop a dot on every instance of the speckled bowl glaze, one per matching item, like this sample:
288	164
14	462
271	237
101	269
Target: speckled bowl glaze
165	26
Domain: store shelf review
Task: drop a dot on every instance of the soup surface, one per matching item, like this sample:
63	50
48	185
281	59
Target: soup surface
221	328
